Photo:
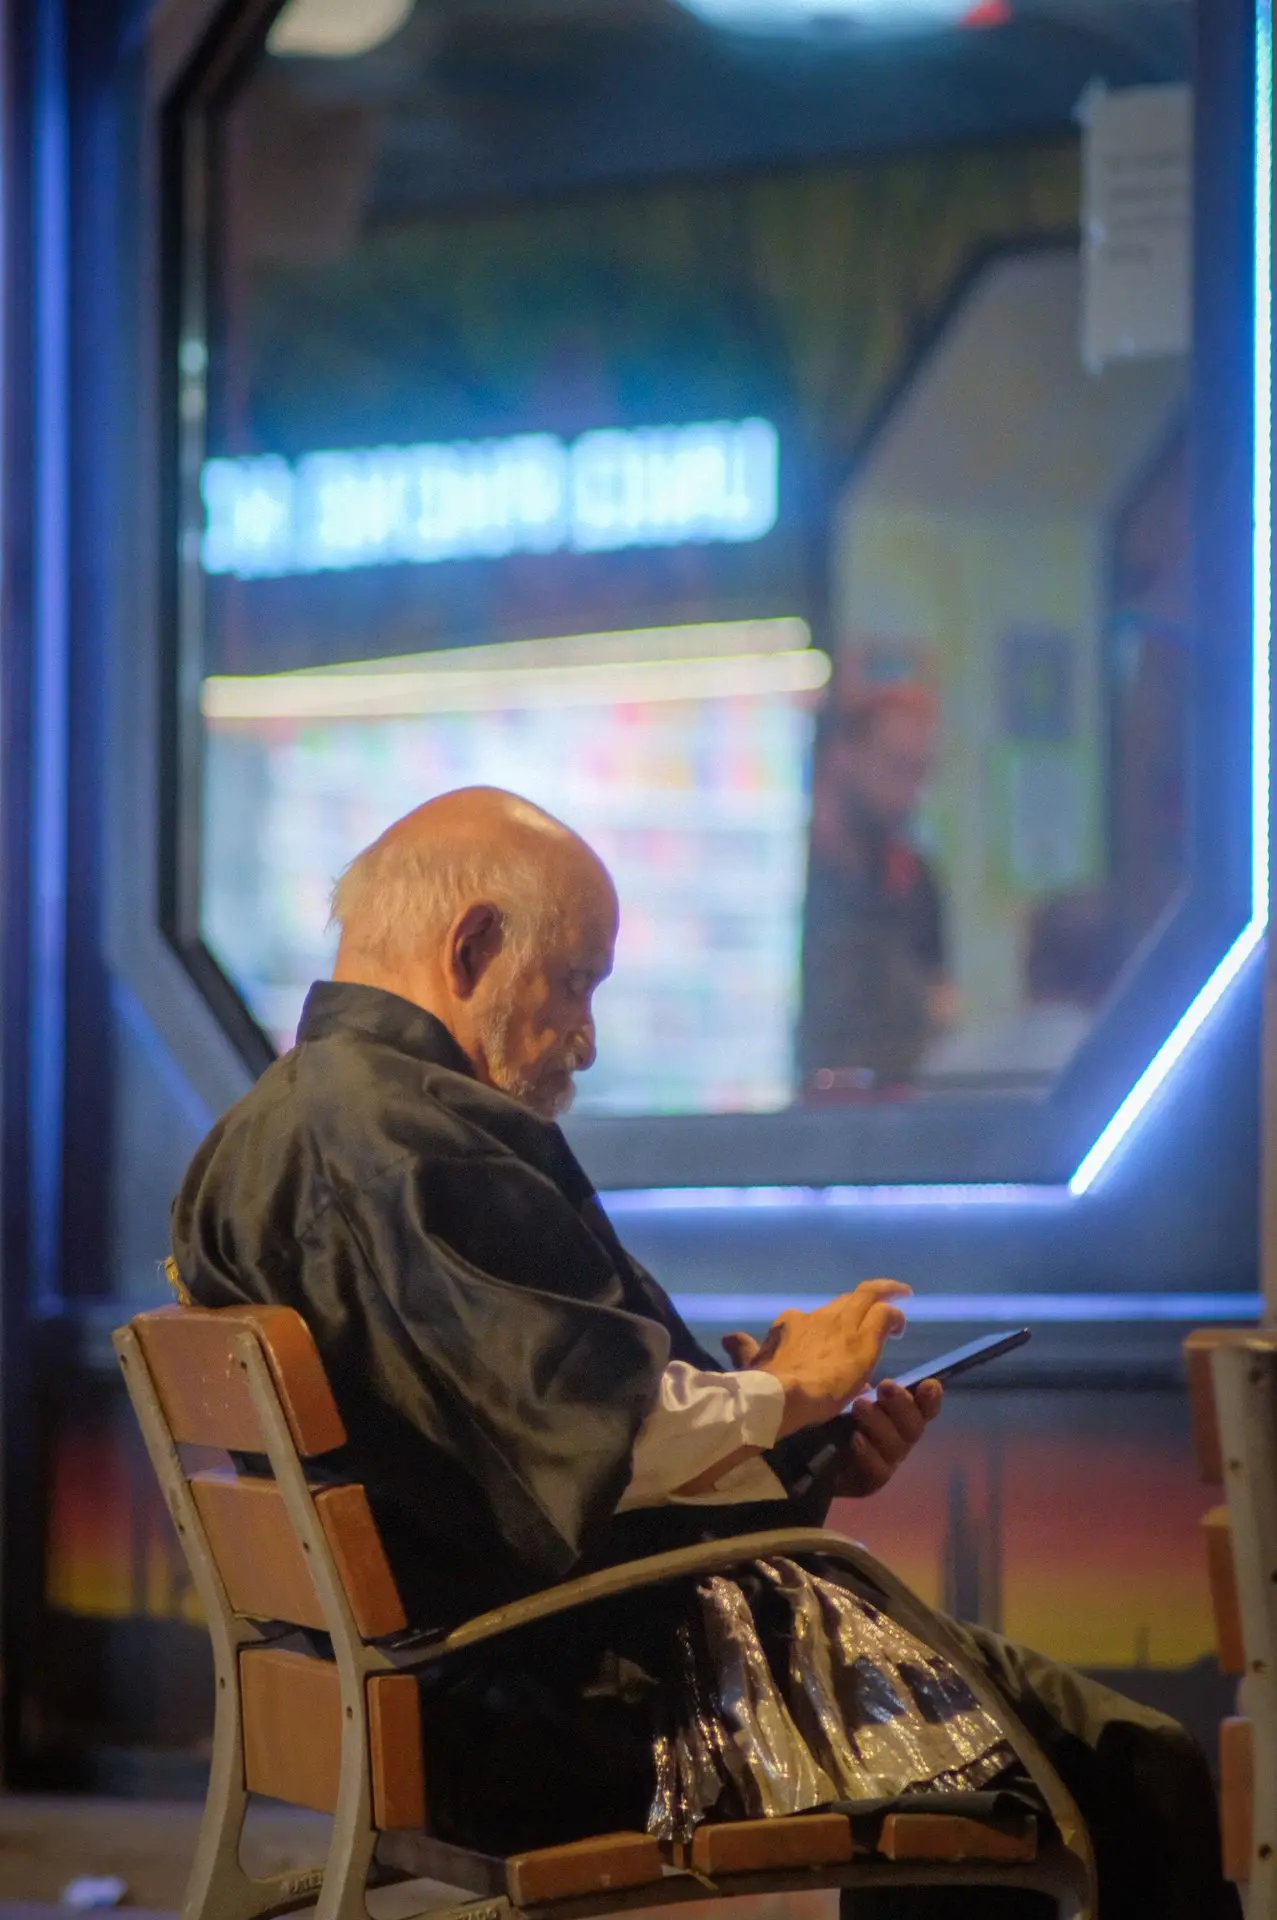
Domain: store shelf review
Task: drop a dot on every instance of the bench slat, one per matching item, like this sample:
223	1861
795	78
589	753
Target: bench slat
603	1864
265	1571
754	1846
1222	1573
189	1354
292	1727
395	1753
1237	1796
951	1838
1201	1404
292	1736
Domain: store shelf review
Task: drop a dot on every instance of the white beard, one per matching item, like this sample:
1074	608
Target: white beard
528	1089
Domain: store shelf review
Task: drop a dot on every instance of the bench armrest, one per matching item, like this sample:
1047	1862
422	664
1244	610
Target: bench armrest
630	1576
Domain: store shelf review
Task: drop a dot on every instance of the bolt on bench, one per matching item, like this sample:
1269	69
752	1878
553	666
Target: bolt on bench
270	1556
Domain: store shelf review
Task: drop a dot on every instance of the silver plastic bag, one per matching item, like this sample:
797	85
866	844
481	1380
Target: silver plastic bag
780	1773
698	1771
881	1711
857	1708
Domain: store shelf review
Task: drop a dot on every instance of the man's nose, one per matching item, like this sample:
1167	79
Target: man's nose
584	1046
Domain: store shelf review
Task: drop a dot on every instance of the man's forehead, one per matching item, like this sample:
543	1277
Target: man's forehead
594	926
590	923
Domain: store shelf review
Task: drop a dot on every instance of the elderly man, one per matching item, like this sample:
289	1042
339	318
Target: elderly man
523	1401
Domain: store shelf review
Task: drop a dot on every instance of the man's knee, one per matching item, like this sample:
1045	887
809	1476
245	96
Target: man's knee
1159	1763
1106	1747
1040	1689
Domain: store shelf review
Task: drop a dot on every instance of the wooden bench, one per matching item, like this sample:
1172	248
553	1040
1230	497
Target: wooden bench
344	1735
1232	1380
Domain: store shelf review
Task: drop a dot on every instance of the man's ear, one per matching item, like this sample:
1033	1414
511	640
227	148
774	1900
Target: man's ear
473	944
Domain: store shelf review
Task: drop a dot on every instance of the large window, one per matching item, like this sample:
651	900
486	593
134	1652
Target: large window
763	435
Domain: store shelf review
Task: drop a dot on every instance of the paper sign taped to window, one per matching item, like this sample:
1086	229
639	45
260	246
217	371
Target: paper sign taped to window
1137	171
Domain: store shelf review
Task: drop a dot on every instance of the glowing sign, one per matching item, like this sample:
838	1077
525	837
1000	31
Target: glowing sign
615	487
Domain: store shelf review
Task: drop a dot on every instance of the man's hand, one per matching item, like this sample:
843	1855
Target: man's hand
824	1358
888	1428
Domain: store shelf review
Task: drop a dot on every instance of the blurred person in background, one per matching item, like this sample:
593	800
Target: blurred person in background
875	989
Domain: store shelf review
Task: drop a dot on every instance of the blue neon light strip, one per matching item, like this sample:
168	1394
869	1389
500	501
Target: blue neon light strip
786	15
1261	719
1248	941
50	302
649	1200
1000	1309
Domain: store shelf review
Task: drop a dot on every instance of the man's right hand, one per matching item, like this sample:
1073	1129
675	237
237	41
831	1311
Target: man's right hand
824	1358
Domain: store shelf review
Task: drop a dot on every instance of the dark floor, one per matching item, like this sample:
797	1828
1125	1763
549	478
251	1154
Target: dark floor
47	1841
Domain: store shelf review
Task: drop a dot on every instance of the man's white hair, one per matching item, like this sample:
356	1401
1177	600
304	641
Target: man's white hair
398	896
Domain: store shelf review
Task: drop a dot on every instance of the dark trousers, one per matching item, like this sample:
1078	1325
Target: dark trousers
1140	1783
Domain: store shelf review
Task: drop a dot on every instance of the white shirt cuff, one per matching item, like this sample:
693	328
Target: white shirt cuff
763	1408
699	1419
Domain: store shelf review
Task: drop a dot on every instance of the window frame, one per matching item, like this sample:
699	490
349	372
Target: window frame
1010	1140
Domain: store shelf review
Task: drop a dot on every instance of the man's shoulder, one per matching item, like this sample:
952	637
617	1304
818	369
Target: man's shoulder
355	1098
349	1108
331	1118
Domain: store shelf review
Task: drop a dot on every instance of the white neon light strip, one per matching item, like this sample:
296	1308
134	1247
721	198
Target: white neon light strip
477	686
1251	936
612	488
1000	1309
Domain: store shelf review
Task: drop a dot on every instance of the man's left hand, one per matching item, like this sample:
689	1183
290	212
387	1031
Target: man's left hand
888	1425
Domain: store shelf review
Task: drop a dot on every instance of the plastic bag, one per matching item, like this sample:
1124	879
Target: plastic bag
856	1709
882	1711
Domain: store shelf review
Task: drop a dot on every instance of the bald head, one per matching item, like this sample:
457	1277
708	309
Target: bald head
497	919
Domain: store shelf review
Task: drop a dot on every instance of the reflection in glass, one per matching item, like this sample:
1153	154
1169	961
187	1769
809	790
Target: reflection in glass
876	983
699	426
978	551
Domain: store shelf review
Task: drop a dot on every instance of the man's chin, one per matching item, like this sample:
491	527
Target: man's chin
549	1099
556	1100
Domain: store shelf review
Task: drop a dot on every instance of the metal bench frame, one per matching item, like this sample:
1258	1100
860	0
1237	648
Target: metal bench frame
359	1856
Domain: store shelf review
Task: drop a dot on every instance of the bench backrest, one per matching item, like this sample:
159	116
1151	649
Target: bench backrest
271	1547
194	1361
